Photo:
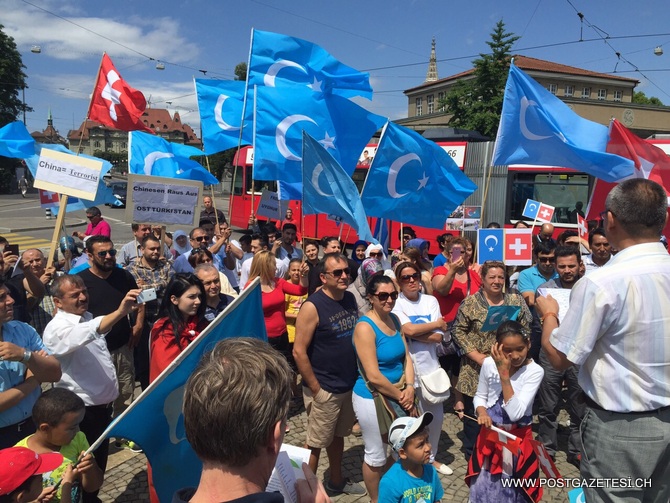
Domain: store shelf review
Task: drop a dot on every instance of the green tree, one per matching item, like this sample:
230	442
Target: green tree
642	99
476	103
12	80
241	71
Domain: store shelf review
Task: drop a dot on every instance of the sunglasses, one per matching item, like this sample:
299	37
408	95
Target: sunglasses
339	272
103	254
384	296
90	217
200	239
376	254
406	277
549	260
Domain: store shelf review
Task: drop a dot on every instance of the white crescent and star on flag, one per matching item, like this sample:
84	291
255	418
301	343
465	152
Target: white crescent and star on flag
394	171
281	133
269	79
523	124
318	169
218	108
495	242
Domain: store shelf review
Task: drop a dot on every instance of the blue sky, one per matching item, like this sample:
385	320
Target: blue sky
390	38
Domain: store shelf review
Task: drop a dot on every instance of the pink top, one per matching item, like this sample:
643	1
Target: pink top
102	228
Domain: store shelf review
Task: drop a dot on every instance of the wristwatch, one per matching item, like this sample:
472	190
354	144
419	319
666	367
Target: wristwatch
27	354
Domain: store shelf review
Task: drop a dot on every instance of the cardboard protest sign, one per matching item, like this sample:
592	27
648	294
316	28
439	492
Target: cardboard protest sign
68	174
271	207
163	201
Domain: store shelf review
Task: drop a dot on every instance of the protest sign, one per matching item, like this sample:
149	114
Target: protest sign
68	174
271	207
163	201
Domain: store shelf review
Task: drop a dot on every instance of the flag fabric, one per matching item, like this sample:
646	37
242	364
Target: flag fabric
650	161
278	59
582	227
328	189
155	420
496	315
546	463
381	234
152	155
341	126
518	246
52	200
545	212
413	180
115	103
499	438
490	245
15	141
577	496
220	104
104	195
538	128
530	209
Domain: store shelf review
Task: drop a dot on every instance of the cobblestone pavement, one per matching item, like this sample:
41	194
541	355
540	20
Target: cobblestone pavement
126	478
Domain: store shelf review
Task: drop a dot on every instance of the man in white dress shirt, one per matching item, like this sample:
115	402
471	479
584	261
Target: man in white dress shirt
617	331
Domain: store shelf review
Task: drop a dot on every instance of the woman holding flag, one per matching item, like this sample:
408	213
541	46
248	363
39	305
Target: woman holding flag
474	332
508	383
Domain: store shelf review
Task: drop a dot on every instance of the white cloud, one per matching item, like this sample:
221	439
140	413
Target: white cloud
158	37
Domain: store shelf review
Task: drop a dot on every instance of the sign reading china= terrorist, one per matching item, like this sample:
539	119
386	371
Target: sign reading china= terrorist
68	174
163	201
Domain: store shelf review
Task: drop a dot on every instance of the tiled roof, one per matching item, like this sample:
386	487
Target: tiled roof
533	64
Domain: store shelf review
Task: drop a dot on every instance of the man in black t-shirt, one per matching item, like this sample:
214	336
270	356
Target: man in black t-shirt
107	286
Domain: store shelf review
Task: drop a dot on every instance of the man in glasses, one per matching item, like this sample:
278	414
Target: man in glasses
200	239
324	353
529	281
96	225
107	286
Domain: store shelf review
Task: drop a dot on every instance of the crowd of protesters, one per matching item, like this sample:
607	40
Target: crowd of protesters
363	332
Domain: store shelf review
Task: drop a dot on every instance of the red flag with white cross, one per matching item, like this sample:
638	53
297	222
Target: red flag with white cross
546	463
582	227
115	103
518	247
545	212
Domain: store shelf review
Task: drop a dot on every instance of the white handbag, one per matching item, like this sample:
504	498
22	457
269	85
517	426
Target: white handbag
436	386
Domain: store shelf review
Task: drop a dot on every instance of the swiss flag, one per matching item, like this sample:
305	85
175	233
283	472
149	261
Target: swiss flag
48	199
518	246
582	227
546	463
493	436
115	103
545	212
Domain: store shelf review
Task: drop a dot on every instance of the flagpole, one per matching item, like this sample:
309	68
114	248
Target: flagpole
253	189
60	219
211	188
496	429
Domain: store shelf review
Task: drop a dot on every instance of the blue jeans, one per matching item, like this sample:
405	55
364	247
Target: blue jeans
623	445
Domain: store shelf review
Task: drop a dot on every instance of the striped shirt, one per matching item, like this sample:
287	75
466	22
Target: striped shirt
618	330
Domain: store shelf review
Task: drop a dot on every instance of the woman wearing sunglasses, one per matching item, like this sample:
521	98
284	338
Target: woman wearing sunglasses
423	326
475	342
384	367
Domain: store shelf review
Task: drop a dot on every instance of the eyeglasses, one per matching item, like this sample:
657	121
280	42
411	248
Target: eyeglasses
103	254
339	272
200	239
197	251
91	217
549	260
384	296
376	254
406	277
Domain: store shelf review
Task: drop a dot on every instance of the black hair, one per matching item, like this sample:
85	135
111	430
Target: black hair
260	237
493	225
568	250
596	232
245	239
176	287
24	487
53	404
375	281
149	237
544	247
511	328
563	236
95	239
288	226
94	211
407	231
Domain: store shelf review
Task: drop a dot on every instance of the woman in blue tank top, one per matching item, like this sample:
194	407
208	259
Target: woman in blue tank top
383	359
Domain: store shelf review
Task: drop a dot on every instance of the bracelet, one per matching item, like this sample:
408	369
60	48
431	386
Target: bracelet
27	354
551	314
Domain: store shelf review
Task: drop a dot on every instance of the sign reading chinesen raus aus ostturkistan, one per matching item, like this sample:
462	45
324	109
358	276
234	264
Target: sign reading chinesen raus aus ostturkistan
163	201
68	174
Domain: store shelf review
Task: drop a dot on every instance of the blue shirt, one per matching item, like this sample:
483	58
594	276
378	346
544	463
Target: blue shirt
181	264
398	486
439	260
530	279
14	373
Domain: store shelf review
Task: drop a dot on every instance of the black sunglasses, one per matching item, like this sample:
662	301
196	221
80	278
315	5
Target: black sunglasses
339	272
384	296
200	238
550	260
376	254
103	254
406	277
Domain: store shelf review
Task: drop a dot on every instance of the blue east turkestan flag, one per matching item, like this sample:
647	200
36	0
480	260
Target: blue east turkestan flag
152	155
531	208
104	194
381	233
538	128
327	188
497	315
490	245
278	59
341	126
15	141
413	180
220	104
155	420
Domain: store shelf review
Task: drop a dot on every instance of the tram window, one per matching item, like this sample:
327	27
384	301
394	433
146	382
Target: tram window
561	190
359	178
237	181
260	185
